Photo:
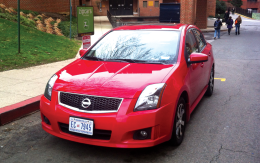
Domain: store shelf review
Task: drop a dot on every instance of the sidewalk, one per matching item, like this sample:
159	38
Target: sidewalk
20	88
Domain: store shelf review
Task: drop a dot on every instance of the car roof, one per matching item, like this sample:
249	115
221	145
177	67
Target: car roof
159	26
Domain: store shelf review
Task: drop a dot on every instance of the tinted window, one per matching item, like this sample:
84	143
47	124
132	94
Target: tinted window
190	44
200	38
139	45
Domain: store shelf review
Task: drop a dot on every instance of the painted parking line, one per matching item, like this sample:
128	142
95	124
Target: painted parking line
222	79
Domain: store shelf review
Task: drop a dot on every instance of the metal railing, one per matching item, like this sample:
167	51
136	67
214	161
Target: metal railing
115	21
244	12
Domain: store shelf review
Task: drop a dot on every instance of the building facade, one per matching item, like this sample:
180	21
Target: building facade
249	4
191	11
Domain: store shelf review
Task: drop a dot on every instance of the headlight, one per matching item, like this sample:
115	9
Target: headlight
150	97
48	89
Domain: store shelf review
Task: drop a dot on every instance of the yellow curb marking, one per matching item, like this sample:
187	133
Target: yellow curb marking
222	79
245	16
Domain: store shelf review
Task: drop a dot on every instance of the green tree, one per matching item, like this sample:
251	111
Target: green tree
236	3
220	7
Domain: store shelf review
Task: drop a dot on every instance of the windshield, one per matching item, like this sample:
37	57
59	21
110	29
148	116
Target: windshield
137	46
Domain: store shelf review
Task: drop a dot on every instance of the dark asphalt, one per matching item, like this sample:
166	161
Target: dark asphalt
224	128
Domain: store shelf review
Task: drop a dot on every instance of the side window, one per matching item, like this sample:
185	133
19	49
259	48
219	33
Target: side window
200	39
191	45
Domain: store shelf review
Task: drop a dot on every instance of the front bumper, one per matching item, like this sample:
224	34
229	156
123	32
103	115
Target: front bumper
120	125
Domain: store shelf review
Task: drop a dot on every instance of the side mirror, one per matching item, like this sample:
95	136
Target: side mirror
198	58
82	52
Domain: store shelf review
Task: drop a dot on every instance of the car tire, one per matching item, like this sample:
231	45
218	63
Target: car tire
179	123
210	89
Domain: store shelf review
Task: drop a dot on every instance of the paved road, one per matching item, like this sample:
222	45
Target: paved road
223	128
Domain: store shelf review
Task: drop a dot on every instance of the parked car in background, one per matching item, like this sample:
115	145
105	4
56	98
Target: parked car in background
135	87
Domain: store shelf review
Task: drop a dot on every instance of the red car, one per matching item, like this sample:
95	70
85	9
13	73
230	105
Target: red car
135	87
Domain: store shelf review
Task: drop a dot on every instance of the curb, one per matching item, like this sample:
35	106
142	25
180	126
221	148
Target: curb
244	16
18	110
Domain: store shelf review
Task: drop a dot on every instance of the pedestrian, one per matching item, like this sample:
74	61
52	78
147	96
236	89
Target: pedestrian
238	21
233	10
226	16
217	26
229	23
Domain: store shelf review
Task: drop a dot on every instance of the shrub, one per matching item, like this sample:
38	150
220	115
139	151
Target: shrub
27	22
64	26
34	13
220	7
39	17
53	22
8	16
23	20
220	15
236	3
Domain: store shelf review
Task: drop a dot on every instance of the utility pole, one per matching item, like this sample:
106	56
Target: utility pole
18	23
70	17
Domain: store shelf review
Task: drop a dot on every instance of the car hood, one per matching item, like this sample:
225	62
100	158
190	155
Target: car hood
111	79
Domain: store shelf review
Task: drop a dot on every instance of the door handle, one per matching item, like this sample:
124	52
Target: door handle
209	54
202	64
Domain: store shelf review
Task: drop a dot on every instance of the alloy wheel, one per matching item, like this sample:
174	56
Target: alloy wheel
180	121
211	80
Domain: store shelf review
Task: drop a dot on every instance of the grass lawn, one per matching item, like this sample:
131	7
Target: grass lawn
36	47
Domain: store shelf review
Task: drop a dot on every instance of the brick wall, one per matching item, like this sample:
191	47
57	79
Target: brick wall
188	11
211	7
149	10
247	4
105	7
40	5
202	14
135	5
253	4
170	1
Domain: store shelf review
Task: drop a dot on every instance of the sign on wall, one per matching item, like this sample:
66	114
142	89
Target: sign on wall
85	21
150	3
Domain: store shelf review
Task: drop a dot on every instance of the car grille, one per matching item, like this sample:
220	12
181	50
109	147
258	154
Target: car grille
97	134
98	104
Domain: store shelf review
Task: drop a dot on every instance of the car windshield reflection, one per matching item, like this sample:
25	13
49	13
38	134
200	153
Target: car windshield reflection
157	47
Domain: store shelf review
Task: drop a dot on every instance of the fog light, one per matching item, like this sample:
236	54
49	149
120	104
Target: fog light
46	120
142	134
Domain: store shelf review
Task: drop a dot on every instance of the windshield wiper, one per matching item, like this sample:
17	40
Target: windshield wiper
93	58
124	60
152	62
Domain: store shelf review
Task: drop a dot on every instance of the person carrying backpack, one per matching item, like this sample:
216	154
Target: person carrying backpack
217	26
229	24
238	21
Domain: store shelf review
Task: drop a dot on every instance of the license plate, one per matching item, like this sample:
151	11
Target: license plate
83	126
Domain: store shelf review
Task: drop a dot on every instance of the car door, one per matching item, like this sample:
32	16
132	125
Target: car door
195	74
205	49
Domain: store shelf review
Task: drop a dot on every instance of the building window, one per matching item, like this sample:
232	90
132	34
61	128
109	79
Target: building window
144	4
156	4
